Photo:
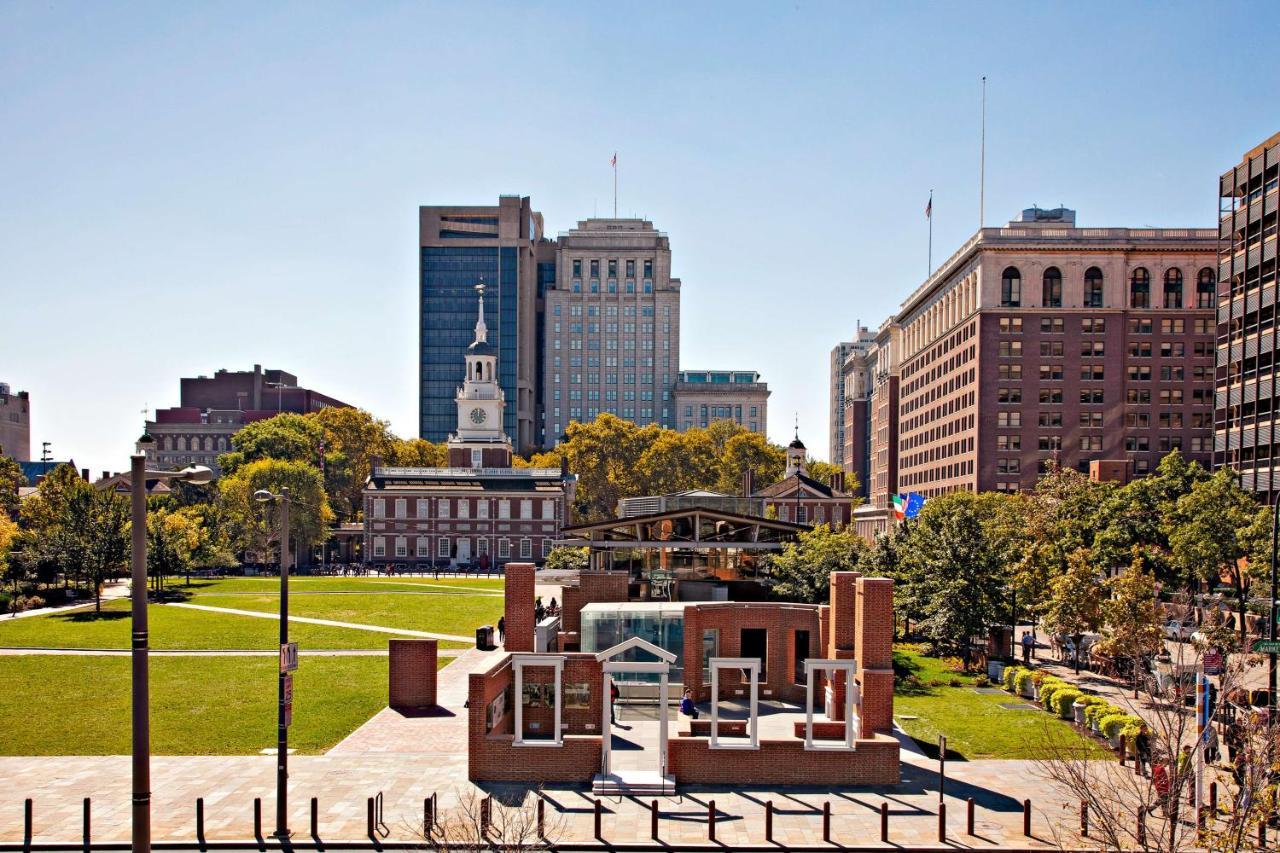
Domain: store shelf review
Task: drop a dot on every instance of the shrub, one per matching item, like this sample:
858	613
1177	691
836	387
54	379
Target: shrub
953	664
935	682
1129	731
981	681
1010	678
1038	677
1111	724
955	682
1048	689
1064	699
1024	680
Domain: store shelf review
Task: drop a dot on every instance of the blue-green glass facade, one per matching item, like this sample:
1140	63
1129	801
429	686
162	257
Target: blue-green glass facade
448	320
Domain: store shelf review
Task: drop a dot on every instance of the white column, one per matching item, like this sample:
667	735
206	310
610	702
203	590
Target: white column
755	707
808	706
559	676
519	681
662	725
606	731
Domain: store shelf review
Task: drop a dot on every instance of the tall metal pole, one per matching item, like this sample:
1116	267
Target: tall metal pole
282	734
141	697
982	160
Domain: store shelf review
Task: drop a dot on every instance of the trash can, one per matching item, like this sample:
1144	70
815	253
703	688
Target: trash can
484	638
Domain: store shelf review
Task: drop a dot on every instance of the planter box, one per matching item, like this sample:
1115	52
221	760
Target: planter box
1078	710
1028	692
1093	727
1114	741
995	671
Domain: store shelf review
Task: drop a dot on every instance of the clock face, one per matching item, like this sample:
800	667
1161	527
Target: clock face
478	416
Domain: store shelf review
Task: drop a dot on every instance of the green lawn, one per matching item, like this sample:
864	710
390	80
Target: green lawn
304	583
199	706
974	723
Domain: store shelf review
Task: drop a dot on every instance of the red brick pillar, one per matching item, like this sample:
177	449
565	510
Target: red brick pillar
875	652
519	607
693	654
842	633
411	673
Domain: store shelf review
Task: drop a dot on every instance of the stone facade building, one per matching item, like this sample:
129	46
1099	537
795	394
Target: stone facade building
705	396
839	394
612	327
1246	395
212	409
478	510
15	423
800	499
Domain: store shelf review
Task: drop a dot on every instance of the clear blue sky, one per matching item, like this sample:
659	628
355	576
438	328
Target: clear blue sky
185	186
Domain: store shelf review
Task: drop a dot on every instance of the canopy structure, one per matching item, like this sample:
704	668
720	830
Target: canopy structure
687	554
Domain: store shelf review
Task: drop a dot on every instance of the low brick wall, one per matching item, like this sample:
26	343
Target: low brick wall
497	760
411	673
784	762
725	728
822	730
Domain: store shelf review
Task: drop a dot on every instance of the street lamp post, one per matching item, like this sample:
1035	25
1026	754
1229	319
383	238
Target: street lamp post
140	665
282	723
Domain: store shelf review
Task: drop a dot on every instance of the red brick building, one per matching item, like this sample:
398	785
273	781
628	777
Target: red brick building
479	510
799	498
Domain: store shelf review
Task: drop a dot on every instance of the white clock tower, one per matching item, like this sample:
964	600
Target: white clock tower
479	440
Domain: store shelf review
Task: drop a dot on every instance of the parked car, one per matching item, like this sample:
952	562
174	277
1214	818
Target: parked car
1177	629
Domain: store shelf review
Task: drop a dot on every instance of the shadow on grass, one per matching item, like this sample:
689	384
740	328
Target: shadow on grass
906	679
82	616
931	751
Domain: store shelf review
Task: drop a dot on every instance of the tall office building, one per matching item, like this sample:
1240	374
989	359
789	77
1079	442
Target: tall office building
461	246
838	394
611	327
1246	372
1042	341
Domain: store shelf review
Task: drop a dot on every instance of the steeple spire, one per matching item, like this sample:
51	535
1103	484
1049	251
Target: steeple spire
482	331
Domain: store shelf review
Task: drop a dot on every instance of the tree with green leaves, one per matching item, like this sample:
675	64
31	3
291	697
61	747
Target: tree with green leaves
418	453
253	526
1212	529
824	473
1074	607
91	542
802	571
11	479
749	450
605	454
952	573
352	438
1131	616
173	539
563	558
286	437
678	461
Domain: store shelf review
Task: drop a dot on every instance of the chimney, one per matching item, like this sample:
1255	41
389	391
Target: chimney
84	474
748	483
375	462
837	481
106	475
564	467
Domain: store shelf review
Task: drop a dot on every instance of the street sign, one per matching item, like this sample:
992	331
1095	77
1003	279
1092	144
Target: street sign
1266	647
1213	662
288	657
288	700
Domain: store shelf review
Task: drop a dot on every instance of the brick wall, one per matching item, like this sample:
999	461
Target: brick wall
784	762
592	587
519	607
875	652
780	621
411	678
578	669
491	755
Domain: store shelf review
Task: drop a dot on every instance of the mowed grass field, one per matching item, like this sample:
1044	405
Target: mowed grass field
975	724
223	704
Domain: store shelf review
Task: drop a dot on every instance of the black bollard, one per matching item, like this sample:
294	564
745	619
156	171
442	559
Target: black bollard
653	820
884	822
1084	819
257	818
88	825
768	821
1262	835
315	818
26	822
1124	752
1026	818
1213	798
826	822
1142	829
969	822
371	823
542	817
200	820
599	821
486	815
711	820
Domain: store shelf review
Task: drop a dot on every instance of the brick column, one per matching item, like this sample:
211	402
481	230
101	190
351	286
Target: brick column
875	652
411	673
844	591
519	607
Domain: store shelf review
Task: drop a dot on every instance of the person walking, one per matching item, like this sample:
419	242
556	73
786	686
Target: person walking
1212	754
502	629
1028	643
1142	748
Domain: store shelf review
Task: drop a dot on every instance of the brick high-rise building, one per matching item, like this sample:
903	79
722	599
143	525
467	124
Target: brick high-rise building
849	415
459	247
15	423
1043	341
1246	375
611	327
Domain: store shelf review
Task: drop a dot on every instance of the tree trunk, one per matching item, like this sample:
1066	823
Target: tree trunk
97	597
1241	594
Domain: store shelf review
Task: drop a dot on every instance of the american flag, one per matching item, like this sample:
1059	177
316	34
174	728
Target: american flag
928	209
613	161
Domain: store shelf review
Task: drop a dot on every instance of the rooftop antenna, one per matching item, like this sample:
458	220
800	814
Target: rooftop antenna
982	161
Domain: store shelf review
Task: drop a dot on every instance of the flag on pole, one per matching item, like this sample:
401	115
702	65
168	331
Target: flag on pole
899	507
928	209
915	502
613	161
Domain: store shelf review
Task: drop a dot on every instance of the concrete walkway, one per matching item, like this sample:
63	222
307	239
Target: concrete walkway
110	592
307	620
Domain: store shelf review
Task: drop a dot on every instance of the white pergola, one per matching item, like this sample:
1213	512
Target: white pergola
852	699
518	662
661	667
752	666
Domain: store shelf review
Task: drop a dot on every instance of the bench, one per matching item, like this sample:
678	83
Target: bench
727	728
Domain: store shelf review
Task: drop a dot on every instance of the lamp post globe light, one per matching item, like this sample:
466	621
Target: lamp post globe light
139	664
285	680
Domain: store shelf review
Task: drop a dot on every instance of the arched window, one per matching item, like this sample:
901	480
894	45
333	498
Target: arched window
1173	288
1140	288
1093	288
1011	288
1053	288
1206	289
222	444
168	442
182	443
208	444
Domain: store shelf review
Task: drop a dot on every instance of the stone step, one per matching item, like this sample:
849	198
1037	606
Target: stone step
634	783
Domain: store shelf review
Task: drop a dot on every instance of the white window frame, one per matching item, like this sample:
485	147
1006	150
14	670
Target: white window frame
379	508
504	549
526	508
442	508
379	546
402	547
424	508
549	509
464	508
443	548
526	548
482	508
504	508
402	508
424	547
477	457
546	546
852	699
752	666
482	545
518	662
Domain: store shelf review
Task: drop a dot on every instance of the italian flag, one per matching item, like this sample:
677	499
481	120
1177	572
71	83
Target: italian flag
899	507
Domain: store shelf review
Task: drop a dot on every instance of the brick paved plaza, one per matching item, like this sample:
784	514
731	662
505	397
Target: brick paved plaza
408	758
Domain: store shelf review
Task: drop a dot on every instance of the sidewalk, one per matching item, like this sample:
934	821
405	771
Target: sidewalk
110	592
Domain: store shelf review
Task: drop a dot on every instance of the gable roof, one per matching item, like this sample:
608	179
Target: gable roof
803	483
636	643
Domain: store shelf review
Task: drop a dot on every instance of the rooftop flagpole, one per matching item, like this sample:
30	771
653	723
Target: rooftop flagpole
928	214
982	161
614	163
